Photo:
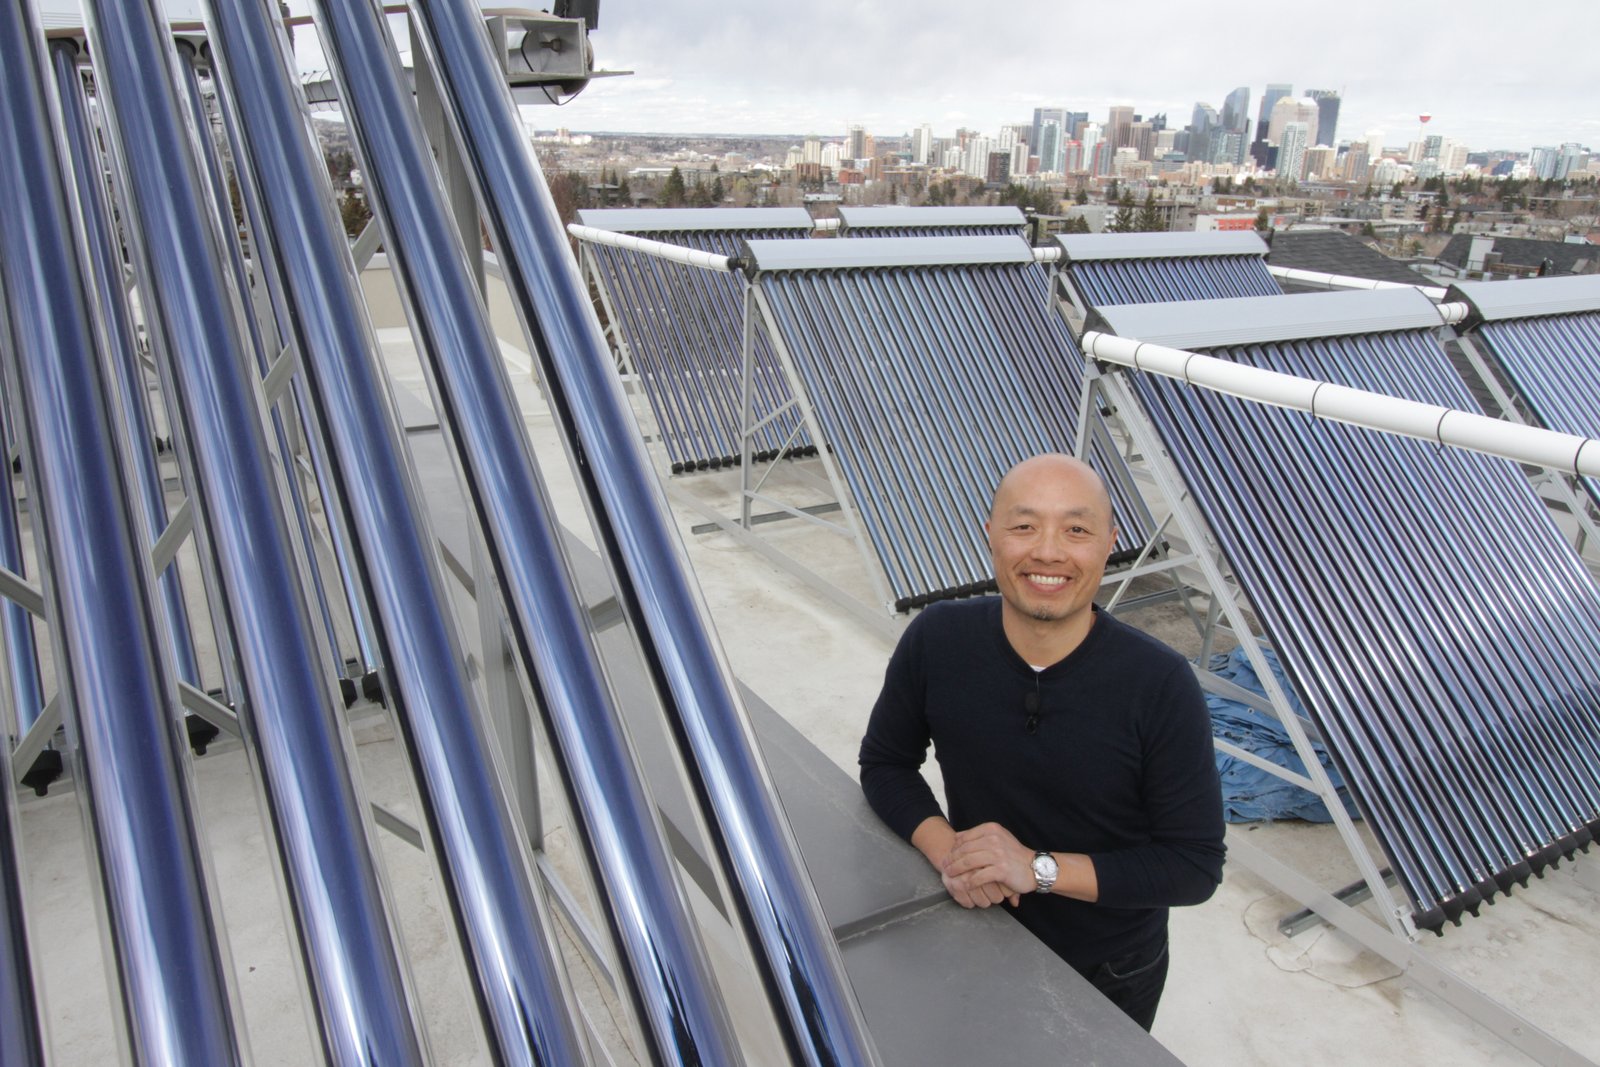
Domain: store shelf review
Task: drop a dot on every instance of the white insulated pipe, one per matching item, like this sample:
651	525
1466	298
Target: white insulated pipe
1048	254
824	225
1564	452
692	257
1345	281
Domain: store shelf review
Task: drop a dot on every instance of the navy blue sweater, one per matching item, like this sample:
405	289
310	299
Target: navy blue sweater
1119	766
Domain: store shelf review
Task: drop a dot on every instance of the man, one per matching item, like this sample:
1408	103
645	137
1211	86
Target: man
1076	751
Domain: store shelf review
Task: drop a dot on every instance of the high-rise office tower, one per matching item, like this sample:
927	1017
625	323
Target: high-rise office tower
1356	162
1292	150
1092	136
1327	114
1071	157
1201	125
1235	119
1049	150
1042	115
922	144
1072	128
1119	124
1142	139
1275	91
1291	109
855	143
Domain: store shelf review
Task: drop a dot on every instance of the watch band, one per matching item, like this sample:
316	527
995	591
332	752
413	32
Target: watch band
1044	871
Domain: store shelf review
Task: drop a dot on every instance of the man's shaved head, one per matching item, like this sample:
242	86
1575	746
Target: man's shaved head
1052	465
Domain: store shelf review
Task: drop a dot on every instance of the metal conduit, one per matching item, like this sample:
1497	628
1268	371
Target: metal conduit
509	940
1344	281
117	693
108	290
1497	770
288	700
1550	362
802	969
666	976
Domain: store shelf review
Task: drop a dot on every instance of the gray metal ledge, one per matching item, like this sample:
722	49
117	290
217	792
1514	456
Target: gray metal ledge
1526	298
907	218
680	219
1191	324
762	257
1090	247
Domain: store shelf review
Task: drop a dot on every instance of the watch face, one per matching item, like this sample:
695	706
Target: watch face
1044	867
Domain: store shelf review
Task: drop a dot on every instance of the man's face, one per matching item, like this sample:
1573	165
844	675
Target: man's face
1049	535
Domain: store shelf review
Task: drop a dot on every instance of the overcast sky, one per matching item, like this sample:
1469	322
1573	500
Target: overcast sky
1492	73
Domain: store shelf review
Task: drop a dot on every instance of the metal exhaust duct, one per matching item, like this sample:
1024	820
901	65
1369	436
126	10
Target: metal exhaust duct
118	692
803	971
669	983
287	699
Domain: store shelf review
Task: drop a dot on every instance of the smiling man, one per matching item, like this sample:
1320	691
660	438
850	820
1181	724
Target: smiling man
1076	751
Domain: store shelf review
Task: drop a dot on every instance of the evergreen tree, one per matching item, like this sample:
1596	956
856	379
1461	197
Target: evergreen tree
673	192
1263	222
718	193
624	193
1150	219
1126	219
1076	224
1081	197
354	213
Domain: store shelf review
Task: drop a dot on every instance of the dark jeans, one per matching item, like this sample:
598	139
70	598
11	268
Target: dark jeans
1134	983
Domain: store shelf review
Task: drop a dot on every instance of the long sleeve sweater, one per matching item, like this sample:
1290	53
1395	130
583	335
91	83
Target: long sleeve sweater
1118	766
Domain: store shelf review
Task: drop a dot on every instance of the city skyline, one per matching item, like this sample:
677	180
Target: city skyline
896	65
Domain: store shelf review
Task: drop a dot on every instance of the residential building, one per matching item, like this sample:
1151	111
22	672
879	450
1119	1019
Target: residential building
855	143
1320	161
1292	148
922	144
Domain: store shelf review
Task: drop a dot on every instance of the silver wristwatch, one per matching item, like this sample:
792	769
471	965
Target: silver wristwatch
1044	871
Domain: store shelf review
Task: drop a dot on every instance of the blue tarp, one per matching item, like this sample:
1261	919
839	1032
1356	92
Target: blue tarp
1250	794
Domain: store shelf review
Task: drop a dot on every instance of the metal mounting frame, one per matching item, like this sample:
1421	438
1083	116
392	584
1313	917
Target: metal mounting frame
1395	938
